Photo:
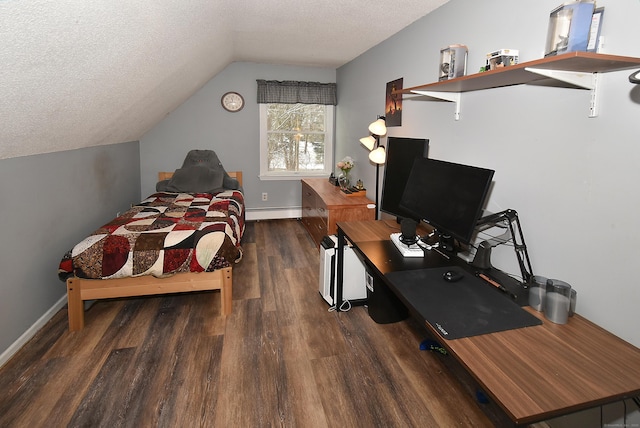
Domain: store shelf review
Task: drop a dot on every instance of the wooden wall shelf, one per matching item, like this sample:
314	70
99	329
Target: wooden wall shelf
573	70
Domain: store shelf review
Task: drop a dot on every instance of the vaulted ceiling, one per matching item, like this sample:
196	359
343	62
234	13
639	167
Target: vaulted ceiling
77	73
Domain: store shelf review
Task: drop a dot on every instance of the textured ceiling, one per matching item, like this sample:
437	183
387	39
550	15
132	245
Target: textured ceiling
77	73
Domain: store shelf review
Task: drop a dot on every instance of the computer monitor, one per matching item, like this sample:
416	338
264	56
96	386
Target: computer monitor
446	195
401	152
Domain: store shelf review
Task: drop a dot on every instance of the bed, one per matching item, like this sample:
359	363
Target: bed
172	242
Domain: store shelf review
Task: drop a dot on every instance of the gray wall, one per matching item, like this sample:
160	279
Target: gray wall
572	179
202	123
49	203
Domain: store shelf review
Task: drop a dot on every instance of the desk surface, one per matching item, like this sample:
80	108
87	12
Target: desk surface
533	373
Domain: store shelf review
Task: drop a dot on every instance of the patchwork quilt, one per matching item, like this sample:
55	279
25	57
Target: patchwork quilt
167	233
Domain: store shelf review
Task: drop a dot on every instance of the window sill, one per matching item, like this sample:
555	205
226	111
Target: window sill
294	176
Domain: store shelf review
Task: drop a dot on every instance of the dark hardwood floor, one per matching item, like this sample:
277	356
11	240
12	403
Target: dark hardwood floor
280	359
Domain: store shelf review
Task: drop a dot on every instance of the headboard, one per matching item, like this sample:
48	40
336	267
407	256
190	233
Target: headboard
163	175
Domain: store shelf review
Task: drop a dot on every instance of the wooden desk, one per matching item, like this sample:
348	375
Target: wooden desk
534	373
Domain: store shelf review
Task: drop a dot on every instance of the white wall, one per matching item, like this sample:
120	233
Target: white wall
202	123
572	179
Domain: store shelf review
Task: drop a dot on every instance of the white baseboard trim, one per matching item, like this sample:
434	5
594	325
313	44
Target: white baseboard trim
272	213
27	335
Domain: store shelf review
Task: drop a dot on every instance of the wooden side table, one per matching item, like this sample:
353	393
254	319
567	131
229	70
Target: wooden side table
323	205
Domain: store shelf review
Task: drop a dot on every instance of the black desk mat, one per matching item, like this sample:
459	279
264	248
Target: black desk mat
468	307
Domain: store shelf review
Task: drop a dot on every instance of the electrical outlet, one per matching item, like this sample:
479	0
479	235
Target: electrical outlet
265	196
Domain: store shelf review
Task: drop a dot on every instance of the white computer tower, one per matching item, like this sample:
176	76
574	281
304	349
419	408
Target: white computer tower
354	282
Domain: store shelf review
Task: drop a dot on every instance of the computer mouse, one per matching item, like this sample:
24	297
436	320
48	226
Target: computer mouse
452	276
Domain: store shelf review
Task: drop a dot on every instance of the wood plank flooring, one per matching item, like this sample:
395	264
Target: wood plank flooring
280	359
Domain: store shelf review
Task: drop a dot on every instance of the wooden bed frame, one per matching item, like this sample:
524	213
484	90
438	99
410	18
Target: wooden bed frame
81	289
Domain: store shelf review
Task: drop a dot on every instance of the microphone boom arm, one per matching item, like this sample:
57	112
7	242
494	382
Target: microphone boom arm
482	258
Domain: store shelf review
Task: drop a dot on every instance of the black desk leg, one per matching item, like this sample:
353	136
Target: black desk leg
339	272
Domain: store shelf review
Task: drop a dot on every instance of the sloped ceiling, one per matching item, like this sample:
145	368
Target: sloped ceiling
78	73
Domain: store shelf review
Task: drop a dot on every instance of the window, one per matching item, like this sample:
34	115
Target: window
295	140
296	128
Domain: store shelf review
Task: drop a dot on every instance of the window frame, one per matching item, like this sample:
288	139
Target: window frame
265	174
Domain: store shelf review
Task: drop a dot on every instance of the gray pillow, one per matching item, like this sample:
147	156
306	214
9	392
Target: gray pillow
196	179
207	158
230	183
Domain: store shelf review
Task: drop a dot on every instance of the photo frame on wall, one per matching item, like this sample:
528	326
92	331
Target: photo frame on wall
393	103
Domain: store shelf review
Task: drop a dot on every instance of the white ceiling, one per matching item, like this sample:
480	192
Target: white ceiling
78	73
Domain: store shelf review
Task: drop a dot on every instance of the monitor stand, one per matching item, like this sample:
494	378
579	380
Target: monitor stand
416	250
413	250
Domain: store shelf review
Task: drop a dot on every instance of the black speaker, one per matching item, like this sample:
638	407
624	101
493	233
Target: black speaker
408	228
447	243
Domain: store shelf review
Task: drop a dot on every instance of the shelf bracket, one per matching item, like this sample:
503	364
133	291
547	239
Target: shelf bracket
453	97
580	79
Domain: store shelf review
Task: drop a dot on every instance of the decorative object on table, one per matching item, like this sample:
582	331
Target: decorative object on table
393	103
343	182
345	166
359	185
537	292
351	191
594	31
501	58
232	102
557	303
453	62
333	179
635	77
377	152
572	303
569	27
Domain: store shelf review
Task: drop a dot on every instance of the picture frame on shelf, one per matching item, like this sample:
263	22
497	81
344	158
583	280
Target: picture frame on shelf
453	62
594	32
569	27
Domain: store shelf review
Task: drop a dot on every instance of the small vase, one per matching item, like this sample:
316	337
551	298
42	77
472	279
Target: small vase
343	180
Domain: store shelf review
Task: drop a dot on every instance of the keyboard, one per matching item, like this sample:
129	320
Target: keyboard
406	250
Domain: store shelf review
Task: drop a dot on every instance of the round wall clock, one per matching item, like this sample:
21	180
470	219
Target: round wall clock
232	101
